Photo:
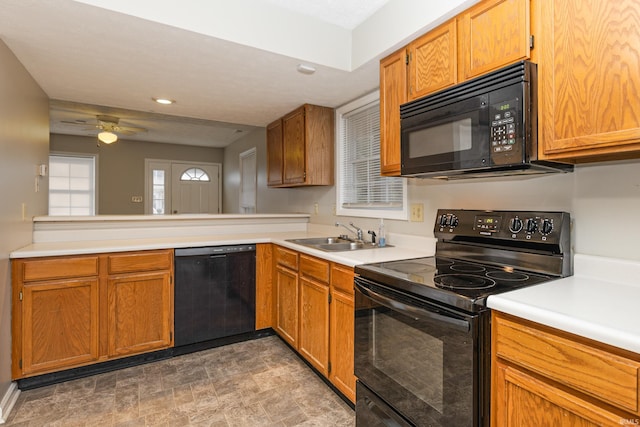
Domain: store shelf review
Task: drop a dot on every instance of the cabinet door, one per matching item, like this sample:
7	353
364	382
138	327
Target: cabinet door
525	401
287	305
140	313
589	82
274	153
293	134
264	286
59	325
393	93
314	324
341	352
433	61
493	34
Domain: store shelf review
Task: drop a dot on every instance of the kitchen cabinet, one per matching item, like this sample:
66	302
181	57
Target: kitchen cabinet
300	148
286	296
493	33
314	312
318	295
274	154
264	286
140	302
433	62
589	87
342	330
393	93
76	310
485	37
543	376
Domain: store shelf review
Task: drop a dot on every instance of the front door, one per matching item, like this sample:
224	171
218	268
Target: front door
195	188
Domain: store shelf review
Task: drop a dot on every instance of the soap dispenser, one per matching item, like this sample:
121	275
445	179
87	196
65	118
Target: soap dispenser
382	235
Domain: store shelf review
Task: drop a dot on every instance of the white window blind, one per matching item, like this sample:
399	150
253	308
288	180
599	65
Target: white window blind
361	185
71	185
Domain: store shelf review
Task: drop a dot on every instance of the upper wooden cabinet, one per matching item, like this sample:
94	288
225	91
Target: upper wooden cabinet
300	148
542	376
494	33
76	310
589	103
486	37
433	62
274	153
393	92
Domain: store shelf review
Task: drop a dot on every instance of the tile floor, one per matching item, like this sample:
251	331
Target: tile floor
253	383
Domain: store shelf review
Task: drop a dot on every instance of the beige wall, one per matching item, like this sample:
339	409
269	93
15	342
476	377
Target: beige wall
120	166
24	143
603	199
269	200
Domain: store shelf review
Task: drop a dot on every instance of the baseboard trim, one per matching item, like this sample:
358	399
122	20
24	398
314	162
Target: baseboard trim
8	401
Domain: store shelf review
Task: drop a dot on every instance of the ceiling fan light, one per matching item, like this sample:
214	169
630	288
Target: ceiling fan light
107	137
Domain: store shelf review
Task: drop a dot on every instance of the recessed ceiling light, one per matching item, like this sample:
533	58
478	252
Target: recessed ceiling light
164	101
306	69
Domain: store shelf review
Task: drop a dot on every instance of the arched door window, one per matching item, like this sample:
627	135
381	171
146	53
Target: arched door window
194	174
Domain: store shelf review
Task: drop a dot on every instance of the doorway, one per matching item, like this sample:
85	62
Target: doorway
177	187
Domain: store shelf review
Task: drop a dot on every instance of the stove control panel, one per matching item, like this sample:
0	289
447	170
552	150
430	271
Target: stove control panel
527	226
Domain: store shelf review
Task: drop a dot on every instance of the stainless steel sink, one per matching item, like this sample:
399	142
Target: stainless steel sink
334	244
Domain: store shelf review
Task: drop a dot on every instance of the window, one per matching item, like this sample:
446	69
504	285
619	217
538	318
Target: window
71	185
194	174
158	199
361	190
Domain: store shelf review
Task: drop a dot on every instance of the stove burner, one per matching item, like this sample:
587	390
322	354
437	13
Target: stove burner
463	281
508	277
467	268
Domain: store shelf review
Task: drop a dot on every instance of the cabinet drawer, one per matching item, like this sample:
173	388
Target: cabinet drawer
569	360
57	268
342	278
287	258
140	261
314	268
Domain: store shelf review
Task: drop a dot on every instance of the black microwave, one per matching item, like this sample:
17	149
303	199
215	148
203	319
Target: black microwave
480	128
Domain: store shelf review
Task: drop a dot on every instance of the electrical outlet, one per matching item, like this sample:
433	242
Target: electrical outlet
417	212
136	199
316	208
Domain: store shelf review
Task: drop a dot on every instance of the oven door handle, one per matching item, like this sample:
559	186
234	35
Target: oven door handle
412	311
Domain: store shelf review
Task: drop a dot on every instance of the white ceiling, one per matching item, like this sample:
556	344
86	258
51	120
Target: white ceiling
229	65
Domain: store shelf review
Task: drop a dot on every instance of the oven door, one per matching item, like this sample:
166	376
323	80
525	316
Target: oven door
425	361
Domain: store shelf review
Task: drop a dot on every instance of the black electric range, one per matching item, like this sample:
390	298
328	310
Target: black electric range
422	328
480	253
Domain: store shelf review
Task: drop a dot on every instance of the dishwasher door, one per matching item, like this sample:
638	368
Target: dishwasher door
214	292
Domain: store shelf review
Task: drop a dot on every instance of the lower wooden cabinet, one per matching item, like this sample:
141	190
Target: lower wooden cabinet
545	377
342	330
76	310
140	313
315	312
59	325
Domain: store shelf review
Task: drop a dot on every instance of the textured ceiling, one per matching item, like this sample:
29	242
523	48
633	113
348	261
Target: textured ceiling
91	60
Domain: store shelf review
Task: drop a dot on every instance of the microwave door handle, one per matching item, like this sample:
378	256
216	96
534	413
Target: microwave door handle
411	311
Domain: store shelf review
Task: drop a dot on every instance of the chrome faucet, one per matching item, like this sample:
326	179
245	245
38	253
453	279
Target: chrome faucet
357	231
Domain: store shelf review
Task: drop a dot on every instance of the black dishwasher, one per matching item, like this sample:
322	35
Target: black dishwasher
214	293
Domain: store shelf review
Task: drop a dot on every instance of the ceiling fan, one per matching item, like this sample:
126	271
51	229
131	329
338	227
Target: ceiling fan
109	128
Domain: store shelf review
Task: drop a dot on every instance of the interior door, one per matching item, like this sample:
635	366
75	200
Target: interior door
195	188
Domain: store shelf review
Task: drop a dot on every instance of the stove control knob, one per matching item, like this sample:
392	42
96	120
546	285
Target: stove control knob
453	221
547	226
515	225
443	220
531	225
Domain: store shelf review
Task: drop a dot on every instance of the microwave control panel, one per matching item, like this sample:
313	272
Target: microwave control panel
505	136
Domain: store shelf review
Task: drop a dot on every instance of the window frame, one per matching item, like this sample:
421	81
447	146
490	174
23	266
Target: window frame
398	214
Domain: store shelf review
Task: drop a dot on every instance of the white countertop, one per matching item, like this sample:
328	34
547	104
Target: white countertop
601	301
348	258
